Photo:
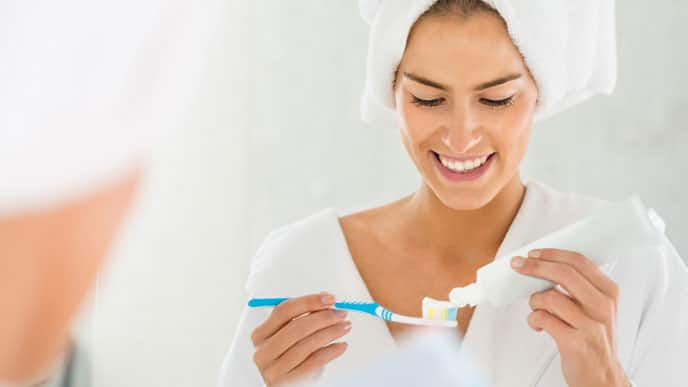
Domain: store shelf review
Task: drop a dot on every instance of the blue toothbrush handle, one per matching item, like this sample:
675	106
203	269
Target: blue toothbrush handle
364	307
257	302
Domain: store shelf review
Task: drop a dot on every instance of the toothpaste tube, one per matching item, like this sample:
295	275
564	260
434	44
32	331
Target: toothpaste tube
598	237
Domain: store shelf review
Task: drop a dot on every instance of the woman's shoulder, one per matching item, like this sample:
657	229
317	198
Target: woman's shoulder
297	254
291	235
566	203
653	279
651	266
366	221
570	206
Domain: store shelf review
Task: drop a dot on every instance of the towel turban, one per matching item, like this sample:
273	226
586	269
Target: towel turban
568	45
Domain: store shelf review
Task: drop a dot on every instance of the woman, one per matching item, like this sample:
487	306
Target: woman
464	97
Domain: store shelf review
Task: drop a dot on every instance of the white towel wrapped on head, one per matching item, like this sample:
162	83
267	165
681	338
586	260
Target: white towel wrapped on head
568	45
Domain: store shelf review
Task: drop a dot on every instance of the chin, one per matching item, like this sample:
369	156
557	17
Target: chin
459	201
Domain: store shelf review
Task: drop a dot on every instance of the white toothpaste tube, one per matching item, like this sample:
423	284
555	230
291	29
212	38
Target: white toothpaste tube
597	236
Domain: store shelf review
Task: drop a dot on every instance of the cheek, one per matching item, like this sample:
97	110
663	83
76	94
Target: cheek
515	121
514	135
521	122
418	125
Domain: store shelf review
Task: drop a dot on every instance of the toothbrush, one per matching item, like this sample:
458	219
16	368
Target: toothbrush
435	313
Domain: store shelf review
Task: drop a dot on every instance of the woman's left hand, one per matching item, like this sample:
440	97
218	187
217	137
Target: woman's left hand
583	322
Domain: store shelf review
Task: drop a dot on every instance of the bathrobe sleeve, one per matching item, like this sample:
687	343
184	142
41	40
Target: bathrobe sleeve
238	369
660	353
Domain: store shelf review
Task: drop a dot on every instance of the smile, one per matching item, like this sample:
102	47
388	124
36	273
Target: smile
462	166
463	169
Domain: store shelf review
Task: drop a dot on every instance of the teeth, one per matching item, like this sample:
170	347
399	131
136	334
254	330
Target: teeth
458	166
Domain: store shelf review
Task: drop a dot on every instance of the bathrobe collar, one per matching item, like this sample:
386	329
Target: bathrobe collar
494	328
326	264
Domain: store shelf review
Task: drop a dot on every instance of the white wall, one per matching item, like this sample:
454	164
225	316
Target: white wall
274	135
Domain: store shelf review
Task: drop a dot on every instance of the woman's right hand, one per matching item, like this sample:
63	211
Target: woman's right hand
295	341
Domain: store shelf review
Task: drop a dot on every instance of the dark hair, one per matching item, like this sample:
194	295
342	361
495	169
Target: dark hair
461	8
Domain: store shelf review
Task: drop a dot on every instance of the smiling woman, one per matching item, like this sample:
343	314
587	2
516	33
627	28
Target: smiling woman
464	93
463	82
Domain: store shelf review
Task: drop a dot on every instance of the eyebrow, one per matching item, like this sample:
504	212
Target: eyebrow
480	87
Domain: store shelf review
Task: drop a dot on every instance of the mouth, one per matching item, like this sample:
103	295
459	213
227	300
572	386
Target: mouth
463	170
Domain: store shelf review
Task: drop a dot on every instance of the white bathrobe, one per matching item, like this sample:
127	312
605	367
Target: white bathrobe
312	255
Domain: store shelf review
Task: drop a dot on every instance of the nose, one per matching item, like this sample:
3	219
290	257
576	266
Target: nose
463	146
461	133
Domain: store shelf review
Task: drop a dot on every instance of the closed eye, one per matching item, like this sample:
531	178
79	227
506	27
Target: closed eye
497	102
437	101
426	102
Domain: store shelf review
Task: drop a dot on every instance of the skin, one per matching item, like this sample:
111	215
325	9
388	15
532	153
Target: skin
48	262
295	341
409	249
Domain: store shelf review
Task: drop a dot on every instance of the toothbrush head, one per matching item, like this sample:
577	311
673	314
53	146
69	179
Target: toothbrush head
439	310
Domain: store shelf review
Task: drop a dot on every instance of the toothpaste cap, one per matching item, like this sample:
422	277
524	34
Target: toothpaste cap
467	295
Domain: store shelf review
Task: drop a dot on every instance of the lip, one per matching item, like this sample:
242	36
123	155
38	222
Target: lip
460	176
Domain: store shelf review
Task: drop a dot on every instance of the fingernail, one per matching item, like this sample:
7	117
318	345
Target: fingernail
340	313
534	254
518	262
326	298
347	325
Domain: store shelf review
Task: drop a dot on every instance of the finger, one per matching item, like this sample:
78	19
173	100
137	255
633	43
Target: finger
298	353
560	305
569	278
287	311
584	266
596	304
541	320
316	361
296	331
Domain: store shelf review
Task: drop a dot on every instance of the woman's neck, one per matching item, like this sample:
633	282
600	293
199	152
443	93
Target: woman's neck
444	230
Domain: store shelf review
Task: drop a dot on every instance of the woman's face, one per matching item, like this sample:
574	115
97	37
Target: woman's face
464	93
